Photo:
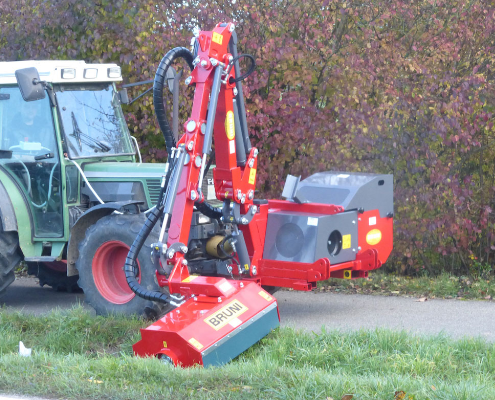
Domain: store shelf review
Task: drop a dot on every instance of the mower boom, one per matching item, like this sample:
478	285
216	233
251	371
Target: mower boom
217	261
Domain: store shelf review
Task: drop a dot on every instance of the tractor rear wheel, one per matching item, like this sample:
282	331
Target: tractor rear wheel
10	257
101	261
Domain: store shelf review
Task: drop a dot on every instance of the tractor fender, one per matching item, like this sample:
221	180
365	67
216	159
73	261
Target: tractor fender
78	231
7	213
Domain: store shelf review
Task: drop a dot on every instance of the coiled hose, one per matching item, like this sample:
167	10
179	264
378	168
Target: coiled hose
131	259
159	83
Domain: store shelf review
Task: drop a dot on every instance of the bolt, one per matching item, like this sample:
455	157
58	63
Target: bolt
353	250
219	299
244	221
194	196
197	161
196	61
204	63
243	199
231	58
191	126
251	195
359	248
203	128
255	153
184	262
235	92
353	222
183	249
254	270
177	311
254	209
188	80
171	254
232	28
214	62
239	194
251	163
241	284
195	298
190	145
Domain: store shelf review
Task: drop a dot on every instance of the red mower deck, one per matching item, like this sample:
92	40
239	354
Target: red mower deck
211	333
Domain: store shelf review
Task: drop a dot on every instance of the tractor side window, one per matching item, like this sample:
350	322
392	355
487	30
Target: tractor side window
29	154
93	121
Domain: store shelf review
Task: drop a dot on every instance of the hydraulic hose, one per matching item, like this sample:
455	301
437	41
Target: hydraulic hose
208	210
158	84
131	259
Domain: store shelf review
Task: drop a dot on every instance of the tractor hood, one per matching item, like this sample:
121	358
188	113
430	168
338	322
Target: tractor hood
123	170
121	181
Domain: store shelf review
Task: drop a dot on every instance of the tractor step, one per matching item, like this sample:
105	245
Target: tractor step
211	333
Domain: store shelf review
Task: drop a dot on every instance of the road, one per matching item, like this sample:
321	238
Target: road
311	311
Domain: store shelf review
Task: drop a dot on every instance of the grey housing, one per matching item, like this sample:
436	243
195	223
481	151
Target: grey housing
351	190
306	237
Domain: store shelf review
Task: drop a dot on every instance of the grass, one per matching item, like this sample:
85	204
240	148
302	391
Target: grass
77	356
442	286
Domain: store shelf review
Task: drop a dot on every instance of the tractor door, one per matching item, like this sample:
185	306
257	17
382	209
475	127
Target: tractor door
29	153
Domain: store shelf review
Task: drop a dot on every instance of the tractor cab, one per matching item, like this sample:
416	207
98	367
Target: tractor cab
40	139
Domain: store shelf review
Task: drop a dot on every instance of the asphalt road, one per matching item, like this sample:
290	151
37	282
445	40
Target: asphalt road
311	311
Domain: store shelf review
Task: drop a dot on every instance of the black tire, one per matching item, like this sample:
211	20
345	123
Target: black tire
102	280
10	257
57	280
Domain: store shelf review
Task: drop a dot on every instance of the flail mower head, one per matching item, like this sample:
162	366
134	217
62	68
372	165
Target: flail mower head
216	262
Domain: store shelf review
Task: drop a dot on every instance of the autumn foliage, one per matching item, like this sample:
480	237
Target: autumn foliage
392	86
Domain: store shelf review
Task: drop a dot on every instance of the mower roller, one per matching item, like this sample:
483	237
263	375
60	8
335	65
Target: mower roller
217	261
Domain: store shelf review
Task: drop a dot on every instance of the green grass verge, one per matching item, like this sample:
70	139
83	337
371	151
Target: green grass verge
443	286
77	356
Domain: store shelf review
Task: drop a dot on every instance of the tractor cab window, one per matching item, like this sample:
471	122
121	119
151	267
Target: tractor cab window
93	121
29	154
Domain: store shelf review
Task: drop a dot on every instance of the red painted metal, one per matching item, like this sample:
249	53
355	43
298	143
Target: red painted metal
230	178
184	333
108	273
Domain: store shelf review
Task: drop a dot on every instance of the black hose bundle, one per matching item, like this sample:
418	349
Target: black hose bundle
131	259
158	83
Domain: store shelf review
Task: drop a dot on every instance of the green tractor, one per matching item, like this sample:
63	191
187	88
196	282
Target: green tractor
73	190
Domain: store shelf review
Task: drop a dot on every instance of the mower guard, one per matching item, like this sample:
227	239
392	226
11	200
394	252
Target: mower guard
209	330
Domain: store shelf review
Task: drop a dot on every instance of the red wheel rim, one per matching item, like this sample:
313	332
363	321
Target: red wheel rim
108	272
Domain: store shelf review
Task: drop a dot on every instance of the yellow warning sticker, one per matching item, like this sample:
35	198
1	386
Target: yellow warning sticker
252	176
230	125
190	278
217	38
265	295
347	274
164	344
226	314
346	242
373	237
195	343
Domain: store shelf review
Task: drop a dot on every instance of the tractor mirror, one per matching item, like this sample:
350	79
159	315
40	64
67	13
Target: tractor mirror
170	78
123	96
29	83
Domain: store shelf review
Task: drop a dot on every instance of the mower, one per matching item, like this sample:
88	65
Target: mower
220	265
